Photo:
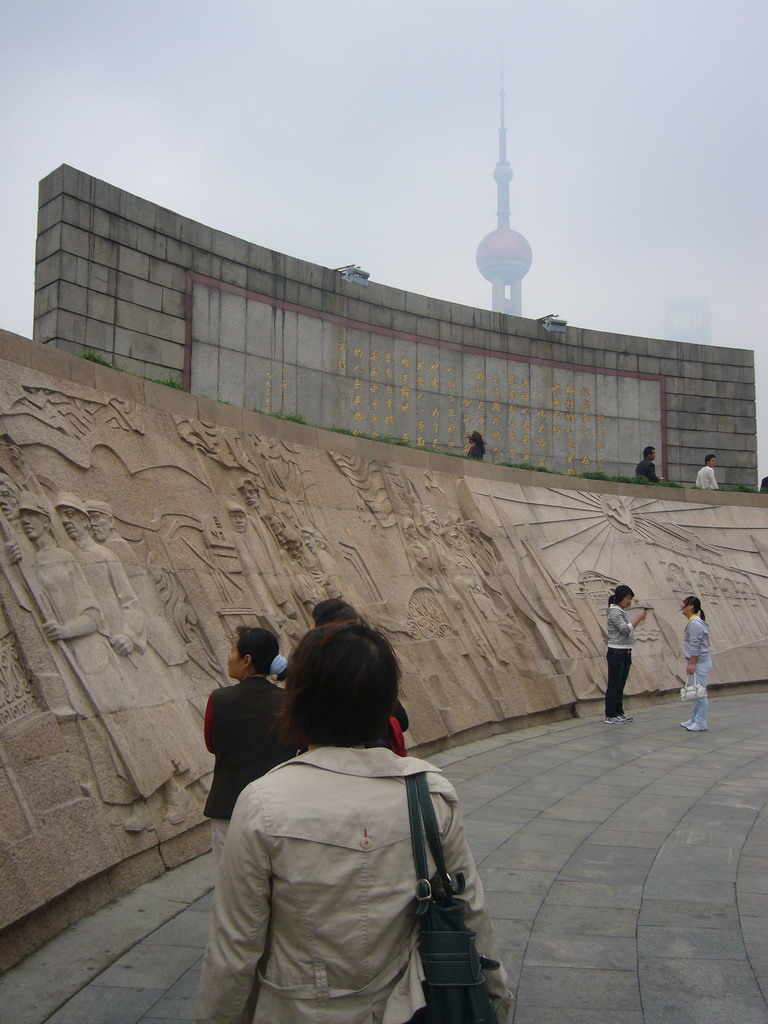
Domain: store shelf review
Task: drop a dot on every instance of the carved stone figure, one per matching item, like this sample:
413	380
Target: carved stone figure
160	634
304	588
253	560
259	559
121	611
125	716
425	559
319	561
9	509
251	493
9	498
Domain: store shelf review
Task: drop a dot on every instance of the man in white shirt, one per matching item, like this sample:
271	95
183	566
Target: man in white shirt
705	478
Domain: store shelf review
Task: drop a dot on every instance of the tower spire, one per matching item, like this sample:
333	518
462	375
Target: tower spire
504	256
503	172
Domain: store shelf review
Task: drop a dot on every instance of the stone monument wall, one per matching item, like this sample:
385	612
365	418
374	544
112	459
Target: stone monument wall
161	295
140	525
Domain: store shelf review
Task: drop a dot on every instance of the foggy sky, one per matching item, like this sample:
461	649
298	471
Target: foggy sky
367	133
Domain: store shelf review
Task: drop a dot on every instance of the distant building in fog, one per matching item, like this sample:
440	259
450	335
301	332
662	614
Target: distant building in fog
504	256
688	320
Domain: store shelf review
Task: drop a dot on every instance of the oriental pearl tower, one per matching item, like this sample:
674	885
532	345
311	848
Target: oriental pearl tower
504	256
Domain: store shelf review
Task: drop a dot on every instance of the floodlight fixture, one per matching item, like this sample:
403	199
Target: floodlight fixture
553	323
354	274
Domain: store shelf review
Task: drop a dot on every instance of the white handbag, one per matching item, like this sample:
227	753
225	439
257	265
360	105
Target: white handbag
693	689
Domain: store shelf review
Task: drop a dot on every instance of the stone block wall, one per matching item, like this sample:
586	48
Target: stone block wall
164	296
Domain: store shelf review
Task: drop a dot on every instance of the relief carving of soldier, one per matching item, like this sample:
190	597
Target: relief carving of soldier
133	732
121	611
293	565
9	507
259	556
159	633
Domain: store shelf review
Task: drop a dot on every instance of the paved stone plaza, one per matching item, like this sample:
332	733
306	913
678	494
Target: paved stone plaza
626	868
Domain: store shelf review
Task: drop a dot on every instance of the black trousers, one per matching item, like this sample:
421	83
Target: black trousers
619	664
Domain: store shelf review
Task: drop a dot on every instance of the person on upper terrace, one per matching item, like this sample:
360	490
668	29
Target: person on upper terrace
705	478
646	467
477	445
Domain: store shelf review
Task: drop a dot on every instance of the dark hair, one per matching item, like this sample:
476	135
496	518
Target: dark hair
260	644
647	451
341	688
619	594
695	603
477	438
710	456
334	609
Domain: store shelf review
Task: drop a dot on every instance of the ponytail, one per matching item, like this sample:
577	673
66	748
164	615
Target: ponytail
695	603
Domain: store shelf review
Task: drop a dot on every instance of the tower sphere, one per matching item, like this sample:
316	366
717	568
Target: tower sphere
503	173
504	254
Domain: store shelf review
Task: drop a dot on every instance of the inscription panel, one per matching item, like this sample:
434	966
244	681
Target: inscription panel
431	395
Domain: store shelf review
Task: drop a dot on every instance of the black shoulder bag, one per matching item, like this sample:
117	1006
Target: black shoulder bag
455	986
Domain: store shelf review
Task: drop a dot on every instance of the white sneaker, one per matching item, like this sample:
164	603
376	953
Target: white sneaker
696	727
686	724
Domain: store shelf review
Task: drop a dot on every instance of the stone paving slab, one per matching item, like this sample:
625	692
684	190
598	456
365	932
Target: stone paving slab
116	1005
577	988
692	991
627	870
31	992
155	966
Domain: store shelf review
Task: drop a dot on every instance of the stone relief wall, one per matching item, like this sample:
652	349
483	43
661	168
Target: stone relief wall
139	526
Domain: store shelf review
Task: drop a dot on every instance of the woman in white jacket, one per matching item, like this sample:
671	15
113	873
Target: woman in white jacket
316	888
698	660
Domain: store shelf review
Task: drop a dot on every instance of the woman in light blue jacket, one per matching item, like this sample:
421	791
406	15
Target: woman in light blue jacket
697	657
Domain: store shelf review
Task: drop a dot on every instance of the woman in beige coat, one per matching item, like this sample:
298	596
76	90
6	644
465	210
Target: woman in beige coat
316	887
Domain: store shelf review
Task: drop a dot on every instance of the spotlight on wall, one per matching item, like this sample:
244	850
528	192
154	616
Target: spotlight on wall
354	274
553	324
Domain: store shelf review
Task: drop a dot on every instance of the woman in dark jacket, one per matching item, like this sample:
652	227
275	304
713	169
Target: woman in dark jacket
477	447
240	726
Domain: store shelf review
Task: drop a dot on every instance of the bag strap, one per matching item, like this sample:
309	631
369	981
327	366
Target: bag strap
423	884
422	818
432	831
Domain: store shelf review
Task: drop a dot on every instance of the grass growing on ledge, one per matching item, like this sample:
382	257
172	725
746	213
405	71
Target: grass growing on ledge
529	467
384	438
294	417
95	357
168	382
